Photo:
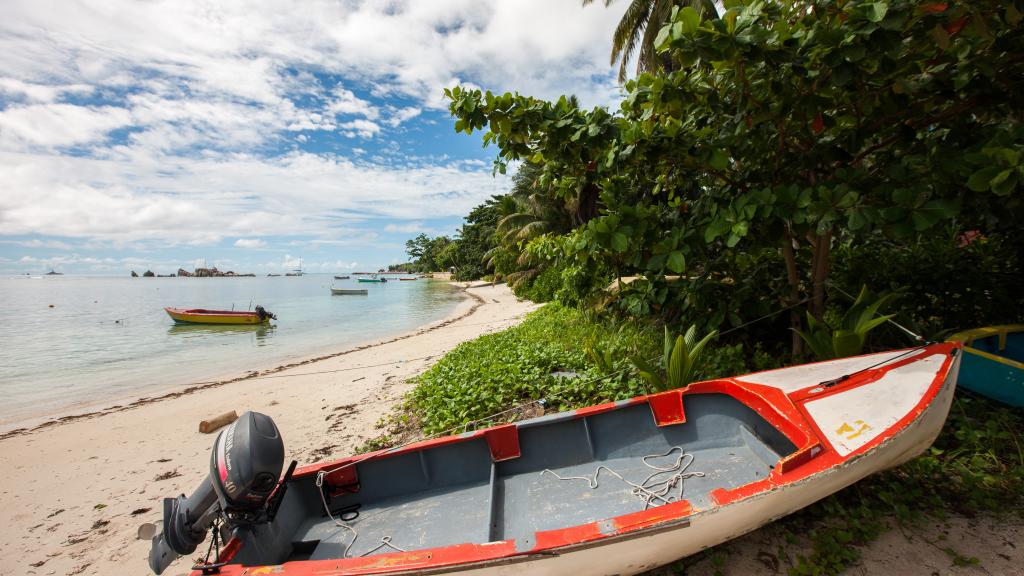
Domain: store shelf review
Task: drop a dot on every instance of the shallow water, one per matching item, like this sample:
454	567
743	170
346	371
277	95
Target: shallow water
109	338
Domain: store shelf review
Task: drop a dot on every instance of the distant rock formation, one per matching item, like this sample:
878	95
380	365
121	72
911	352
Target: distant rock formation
148	274
134	275
182	273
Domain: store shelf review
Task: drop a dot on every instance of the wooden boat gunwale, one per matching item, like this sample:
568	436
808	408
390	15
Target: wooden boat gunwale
787	412
967	338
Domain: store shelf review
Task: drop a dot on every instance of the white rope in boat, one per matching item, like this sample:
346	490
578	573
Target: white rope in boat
385	541
649	490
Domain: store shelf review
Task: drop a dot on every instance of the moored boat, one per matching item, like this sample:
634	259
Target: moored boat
407	279
993	362
339	291
342	277
203	316
380	280
617	488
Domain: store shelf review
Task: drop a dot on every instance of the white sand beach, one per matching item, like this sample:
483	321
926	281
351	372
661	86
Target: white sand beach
74	493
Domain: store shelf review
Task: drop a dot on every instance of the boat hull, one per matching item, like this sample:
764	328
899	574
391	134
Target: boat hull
648	549
822	436
371	280
196	316
992	364
349	291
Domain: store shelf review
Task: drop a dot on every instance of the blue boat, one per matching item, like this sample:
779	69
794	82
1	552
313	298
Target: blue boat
993	362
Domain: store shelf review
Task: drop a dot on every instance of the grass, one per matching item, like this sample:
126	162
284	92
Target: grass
975	466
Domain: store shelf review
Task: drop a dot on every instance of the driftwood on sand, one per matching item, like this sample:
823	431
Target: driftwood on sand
207	426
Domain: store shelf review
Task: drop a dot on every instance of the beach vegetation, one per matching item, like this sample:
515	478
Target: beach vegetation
847	335
678	362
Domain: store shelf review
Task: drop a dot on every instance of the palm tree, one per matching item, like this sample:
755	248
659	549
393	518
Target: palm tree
527	211
640	26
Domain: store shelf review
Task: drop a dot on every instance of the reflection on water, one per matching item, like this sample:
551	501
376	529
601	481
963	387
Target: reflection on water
261	332
69	339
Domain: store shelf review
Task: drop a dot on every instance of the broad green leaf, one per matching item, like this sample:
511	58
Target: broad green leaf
677	363
719	159
876	12
620	242
676	262
690	19
980	180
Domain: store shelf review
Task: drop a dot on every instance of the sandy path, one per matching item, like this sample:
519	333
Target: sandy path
74	494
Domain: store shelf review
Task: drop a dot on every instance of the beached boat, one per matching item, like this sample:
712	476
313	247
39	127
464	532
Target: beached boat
617	488
338	291
993	362
342	277
203	316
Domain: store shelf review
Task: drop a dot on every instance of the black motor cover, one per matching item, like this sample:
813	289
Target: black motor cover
245	465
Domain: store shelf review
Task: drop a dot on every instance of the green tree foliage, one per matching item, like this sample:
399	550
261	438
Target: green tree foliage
428	254
789	126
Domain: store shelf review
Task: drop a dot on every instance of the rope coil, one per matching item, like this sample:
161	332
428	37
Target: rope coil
649	491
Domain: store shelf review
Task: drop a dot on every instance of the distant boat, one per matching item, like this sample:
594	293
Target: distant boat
993	362
54	273
407	279
272	275
342	277
203	316
296	271
355	291
374	278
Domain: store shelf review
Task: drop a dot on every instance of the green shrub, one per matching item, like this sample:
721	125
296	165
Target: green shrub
722	362
948	282
498	371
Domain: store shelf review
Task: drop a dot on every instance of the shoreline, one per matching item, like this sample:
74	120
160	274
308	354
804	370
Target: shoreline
74	413
76	491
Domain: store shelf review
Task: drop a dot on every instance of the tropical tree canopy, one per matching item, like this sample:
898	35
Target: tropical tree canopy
786	125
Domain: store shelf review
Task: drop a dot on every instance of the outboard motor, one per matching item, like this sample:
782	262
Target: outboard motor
245	466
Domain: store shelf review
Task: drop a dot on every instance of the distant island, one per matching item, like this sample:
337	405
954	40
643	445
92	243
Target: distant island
197	273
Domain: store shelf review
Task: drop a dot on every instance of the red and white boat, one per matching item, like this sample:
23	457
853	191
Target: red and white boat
617	488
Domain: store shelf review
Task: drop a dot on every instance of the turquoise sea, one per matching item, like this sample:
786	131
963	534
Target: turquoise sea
68	341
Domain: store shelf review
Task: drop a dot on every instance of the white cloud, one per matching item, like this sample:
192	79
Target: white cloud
58	124
177	111
250	243
402	115
346	102
361	128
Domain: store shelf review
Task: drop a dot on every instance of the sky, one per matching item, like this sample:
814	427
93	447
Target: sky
166	134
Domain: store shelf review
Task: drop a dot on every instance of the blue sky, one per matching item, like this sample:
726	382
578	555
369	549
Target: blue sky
168	133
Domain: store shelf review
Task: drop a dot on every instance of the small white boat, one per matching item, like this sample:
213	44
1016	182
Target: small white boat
357	291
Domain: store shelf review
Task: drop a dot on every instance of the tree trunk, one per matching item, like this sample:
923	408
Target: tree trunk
794	293
820	270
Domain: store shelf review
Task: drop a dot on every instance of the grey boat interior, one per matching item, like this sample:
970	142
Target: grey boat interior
455	493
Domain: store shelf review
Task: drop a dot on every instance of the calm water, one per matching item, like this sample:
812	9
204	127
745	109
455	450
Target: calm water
109	338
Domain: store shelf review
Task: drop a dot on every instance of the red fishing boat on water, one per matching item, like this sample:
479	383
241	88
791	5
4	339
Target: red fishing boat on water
203	316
